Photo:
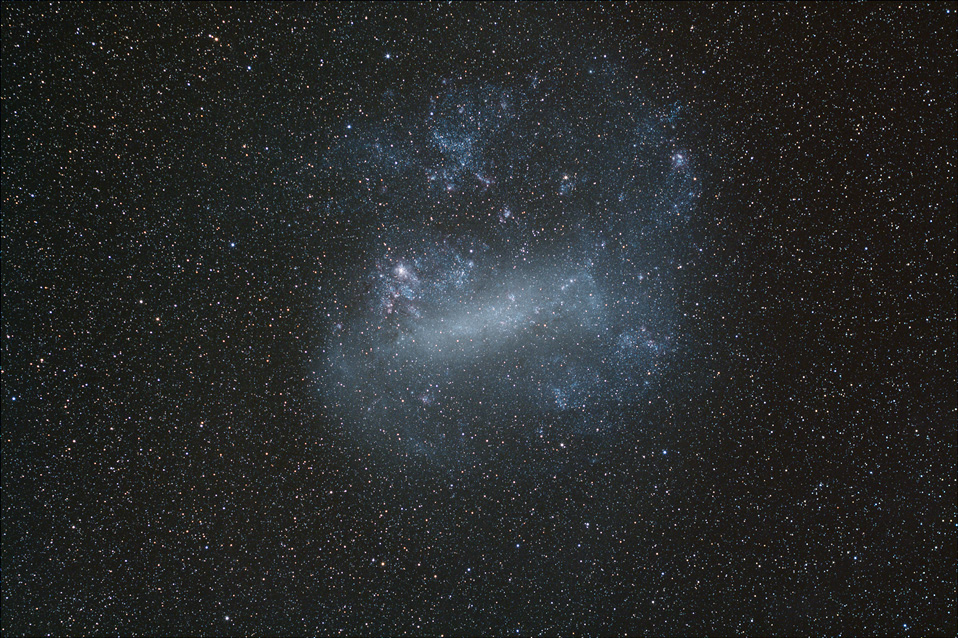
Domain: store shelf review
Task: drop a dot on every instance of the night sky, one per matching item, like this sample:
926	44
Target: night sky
489	319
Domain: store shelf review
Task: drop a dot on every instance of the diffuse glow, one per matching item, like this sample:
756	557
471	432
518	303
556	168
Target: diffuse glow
518	268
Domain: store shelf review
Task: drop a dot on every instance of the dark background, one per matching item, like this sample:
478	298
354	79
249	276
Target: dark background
167	467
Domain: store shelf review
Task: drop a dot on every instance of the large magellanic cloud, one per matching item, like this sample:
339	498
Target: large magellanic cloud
514	276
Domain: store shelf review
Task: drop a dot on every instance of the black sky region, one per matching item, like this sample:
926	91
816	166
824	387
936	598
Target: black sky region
479	319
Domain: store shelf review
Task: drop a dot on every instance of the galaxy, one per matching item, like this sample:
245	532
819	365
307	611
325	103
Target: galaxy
516	278
479	319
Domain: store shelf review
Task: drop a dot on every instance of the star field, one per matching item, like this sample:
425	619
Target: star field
479	319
